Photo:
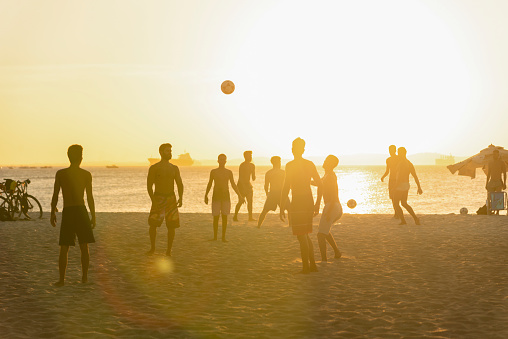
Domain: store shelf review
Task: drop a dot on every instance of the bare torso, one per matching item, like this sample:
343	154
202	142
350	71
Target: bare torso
73	182
221	178
391	164
330	188
404	168
245	172
275	178
163	175
496	169
299	173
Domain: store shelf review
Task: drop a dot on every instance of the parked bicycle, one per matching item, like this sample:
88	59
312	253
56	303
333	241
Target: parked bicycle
17	202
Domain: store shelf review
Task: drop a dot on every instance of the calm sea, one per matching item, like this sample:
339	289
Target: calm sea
124	189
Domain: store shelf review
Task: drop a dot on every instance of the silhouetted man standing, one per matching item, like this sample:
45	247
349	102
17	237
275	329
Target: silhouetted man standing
496	175
246	171
299	173
391	167
404	169
333	209
163	175
221	203
274	180
74	181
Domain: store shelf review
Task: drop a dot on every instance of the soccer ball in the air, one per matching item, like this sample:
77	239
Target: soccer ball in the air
227	87
463	210
351	203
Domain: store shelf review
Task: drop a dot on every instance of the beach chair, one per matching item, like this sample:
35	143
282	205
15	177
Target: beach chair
497	201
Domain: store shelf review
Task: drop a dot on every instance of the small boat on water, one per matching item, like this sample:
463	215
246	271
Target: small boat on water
445	160
183	159
112	166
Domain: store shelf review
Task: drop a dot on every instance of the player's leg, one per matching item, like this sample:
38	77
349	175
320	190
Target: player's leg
85	261
155	219
398	210
304	250
224	226
250	198
408	208
237	209
312	260
171	237
215	226
322	245
62	265
172	222
331	241
152	231
262	217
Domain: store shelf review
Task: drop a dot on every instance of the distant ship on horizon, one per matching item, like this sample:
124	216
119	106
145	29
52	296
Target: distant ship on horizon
183	159
445	160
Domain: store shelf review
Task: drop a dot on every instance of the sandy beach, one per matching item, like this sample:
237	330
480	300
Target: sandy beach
445	279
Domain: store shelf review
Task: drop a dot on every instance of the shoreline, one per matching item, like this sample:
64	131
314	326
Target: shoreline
445	278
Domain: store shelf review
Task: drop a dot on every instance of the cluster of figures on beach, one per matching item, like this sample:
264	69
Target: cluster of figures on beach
298	177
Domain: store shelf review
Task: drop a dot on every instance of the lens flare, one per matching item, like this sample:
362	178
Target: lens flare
165	265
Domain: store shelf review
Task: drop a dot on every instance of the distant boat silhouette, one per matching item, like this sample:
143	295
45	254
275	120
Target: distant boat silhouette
112	166
445	160
182	160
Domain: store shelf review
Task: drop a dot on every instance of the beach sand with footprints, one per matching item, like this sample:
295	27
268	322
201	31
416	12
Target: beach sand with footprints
447	278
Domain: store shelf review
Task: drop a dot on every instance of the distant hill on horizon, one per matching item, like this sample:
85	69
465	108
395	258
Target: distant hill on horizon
345	160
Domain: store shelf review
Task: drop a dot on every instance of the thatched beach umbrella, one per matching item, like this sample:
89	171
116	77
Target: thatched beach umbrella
468	167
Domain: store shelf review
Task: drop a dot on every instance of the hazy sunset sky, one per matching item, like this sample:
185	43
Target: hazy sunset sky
122	77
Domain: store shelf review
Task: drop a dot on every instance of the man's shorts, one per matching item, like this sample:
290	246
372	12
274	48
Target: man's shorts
221	207
391	188
403	186
494	186
331	213
301	213
75	222
164	207
272	201
245	189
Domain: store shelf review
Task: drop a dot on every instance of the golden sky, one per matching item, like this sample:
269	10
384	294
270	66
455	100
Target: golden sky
121	77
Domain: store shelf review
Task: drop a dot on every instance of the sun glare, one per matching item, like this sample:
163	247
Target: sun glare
335	78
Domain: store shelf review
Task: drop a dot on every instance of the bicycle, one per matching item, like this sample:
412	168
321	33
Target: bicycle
18	201
6	208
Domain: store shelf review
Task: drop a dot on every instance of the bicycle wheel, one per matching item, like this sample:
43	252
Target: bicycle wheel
16	207
31	207
6	206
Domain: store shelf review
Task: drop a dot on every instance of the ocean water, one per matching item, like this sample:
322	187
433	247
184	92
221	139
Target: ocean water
124	189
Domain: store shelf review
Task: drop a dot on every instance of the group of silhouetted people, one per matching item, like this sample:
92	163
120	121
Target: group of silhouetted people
398	167
298	177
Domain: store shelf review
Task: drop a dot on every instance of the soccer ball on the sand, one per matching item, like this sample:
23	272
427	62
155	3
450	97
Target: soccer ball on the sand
351	203
227	87
463	210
